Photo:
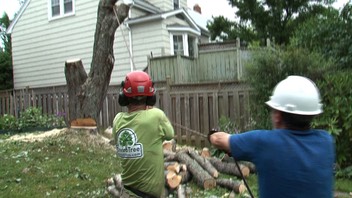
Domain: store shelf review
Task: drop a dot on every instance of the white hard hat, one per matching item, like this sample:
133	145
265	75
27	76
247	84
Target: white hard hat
296	95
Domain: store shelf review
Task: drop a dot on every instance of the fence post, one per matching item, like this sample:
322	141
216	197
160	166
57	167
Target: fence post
238	53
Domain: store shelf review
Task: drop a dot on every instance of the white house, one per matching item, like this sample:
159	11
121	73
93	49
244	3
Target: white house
47	33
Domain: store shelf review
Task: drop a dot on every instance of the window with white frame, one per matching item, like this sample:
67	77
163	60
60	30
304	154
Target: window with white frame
178	44
59	8
176	4
183	44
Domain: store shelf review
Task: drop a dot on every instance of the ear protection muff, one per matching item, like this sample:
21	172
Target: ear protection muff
151	100
123	100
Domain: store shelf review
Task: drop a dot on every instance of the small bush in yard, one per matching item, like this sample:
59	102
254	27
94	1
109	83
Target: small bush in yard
31	118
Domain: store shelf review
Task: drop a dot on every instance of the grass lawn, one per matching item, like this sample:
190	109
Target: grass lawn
74	164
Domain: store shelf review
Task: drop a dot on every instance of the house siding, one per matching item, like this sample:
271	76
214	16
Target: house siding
164	5
41	46
39	43
122	59
135	12
143	47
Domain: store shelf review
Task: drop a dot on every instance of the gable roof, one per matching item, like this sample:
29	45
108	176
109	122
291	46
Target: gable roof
197	25
17	17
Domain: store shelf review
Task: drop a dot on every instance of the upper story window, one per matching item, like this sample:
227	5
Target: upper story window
183	44
59	8
178	44
176	4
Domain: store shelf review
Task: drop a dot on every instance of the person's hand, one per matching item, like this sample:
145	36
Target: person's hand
211	132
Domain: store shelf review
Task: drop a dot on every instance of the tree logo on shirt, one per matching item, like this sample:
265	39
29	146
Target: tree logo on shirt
127	145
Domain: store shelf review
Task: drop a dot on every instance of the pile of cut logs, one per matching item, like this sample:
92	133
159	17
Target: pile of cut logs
186	163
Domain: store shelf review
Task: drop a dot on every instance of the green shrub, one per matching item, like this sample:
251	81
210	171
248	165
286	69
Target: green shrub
8	122
337	117
31	118
268	67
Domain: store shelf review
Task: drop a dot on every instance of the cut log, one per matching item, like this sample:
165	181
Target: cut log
169	156
186	176
204	163
229	168
172	166
250	165
230	184
183	167
200	176
170	145
172	179
181	192
205	153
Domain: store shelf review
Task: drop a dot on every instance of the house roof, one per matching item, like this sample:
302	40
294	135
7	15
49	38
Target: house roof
17	17
196	22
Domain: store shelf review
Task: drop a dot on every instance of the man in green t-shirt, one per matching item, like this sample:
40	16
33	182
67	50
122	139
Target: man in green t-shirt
139	134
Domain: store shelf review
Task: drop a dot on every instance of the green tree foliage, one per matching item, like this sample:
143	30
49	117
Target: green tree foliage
230	30
329	34
276	20
6	78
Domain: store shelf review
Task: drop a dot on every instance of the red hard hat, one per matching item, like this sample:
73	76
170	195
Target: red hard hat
138	83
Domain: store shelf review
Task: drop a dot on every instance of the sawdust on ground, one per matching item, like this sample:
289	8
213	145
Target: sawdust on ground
32	137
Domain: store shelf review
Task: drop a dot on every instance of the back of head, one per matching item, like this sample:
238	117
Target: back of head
298	99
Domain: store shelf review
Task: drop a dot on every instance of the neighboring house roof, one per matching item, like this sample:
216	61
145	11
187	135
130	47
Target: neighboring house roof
196	22
199	19
17	17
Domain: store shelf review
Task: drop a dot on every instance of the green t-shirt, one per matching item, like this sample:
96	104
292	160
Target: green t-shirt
139	136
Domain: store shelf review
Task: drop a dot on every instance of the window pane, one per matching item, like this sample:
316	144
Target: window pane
178	44
191	46
55	3
68	6
55	10
176	4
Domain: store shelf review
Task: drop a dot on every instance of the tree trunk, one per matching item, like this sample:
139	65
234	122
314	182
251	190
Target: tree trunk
204	163
201	177
229	168
87	92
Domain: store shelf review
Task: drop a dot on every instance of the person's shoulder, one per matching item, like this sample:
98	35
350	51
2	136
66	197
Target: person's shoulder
156	110
323	133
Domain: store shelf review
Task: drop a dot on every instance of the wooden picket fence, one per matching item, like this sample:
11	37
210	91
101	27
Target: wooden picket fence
193	109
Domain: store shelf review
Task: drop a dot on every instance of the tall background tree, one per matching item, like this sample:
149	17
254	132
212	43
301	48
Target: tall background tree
271	19
6	77
224	29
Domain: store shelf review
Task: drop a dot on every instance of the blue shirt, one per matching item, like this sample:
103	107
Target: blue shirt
289	163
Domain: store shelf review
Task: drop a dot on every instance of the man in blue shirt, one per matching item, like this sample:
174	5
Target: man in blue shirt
292	160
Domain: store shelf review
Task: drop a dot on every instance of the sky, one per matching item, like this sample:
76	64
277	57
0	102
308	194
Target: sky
209	7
